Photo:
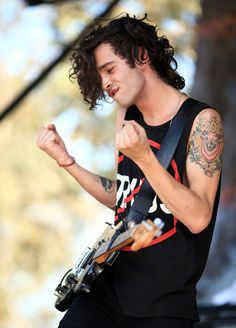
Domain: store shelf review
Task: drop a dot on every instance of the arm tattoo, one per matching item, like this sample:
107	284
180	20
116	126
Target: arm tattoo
206	144
107	184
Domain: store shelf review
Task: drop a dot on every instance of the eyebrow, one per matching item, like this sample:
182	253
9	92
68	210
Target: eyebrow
100	68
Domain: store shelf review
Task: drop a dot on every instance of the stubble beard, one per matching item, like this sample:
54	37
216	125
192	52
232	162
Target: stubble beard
126	102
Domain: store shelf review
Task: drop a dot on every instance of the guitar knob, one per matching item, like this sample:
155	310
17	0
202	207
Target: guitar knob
60	290
160	224
85	288
97	269
71	279
131	224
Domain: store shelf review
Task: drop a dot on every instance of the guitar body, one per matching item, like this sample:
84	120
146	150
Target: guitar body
90	265
65	299
92	262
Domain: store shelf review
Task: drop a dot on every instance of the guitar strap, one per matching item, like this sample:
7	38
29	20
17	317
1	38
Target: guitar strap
143	201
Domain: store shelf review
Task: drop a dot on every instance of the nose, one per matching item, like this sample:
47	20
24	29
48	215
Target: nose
106	83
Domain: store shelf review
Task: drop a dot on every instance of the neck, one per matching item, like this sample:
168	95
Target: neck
159	102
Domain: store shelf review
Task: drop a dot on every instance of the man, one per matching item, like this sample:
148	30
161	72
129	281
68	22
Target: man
153	282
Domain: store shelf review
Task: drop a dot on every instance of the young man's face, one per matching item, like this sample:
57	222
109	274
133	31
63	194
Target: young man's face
123	83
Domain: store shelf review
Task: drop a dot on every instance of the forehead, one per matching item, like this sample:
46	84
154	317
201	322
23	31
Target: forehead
105	54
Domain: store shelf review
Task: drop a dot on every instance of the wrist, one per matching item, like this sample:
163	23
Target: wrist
68	162
146	159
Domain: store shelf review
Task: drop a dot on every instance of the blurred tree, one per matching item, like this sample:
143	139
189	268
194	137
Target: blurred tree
42	209
215	84
215	79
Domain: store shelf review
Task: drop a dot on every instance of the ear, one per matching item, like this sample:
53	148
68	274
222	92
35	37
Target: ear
143	58
143	55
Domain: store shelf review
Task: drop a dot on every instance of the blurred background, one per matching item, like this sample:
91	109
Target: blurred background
46	220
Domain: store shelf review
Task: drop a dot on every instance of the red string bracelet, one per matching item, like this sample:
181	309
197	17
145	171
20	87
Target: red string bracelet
66	165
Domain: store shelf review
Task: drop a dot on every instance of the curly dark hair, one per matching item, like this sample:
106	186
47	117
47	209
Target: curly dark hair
127	35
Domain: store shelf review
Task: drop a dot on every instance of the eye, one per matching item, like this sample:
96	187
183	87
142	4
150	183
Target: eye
110	70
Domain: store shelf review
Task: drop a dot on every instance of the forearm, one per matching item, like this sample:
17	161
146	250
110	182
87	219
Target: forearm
185	204
102	189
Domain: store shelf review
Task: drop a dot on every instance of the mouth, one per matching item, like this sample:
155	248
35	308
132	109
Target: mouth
113	92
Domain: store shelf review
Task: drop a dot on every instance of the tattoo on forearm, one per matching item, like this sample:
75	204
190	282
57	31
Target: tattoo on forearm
206	144
107	184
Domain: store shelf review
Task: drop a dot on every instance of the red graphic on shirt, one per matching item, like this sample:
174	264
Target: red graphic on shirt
128	189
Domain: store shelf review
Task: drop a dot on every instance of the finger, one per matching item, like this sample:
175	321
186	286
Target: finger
133	122
130	125
145	239
141	242
136	246
42	133
129	136
50	136
119	141
123	140
158	225
141	234
139	231
138	128
152	224
144	235
48	139
51	127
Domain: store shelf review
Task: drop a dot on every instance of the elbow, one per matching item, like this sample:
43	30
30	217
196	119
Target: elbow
111	205
200	223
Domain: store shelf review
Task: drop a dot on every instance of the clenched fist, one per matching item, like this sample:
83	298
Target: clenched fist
50	142
132	141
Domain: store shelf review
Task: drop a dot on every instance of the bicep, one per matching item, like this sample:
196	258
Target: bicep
204	155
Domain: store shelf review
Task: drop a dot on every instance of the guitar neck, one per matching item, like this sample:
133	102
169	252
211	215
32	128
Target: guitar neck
123	239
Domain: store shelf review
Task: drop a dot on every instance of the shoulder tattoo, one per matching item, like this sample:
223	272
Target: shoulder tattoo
206	143
106	183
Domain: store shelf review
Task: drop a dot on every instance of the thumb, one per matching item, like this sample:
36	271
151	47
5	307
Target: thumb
52	127
134	124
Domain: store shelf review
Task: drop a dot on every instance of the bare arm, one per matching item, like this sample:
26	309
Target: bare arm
192	203
102	189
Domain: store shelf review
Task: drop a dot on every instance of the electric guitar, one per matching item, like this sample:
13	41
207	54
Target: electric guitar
93	261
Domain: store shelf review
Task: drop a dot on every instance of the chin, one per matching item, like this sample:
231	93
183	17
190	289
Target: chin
124	104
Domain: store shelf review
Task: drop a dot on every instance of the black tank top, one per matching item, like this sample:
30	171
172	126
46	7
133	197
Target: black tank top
160	280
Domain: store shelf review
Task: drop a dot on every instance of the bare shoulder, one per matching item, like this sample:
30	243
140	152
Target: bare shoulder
206	142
